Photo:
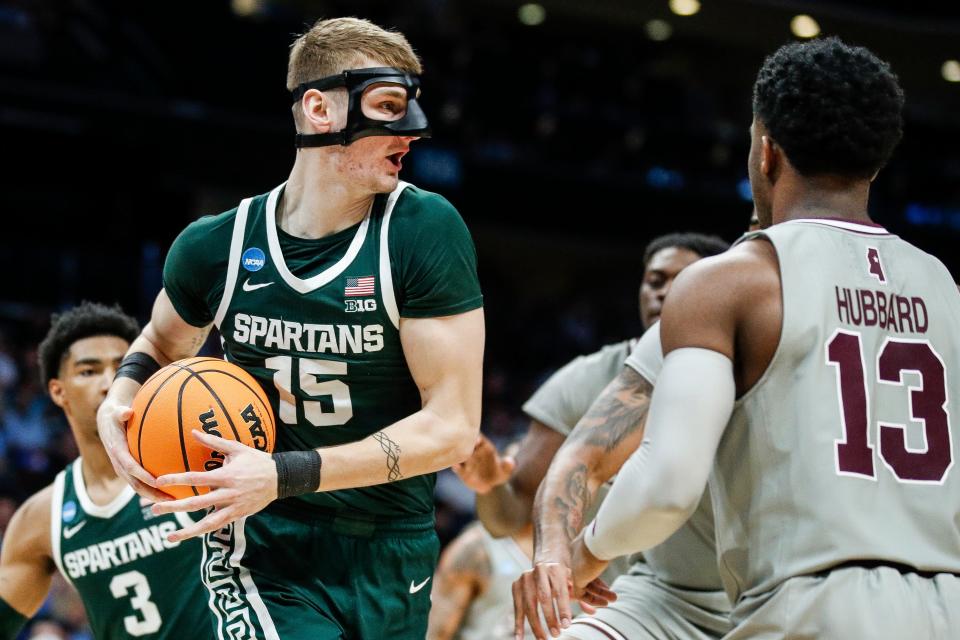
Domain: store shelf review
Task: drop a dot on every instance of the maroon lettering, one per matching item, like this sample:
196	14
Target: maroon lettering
903	310
927	406
854	455
867	301
881	310
892	313
843	305
920	311
856	312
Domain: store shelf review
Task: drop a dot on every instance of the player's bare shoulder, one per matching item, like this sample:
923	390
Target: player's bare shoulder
28	535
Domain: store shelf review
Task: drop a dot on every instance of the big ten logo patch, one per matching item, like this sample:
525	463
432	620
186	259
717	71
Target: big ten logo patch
357	306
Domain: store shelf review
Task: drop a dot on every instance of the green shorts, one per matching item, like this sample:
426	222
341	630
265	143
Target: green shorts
285	575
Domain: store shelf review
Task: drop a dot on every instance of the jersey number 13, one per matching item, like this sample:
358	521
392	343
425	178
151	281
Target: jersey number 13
927	406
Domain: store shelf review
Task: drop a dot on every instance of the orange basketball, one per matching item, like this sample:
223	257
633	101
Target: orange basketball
196	393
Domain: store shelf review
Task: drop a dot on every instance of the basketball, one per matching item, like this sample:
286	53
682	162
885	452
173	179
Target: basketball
196	393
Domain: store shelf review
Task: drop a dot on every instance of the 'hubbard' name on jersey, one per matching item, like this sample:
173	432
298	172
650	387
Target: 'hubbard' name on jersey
889	311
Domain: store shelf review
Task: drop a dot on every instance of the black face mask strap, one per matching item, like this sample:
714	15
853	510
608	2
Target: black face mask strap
304	140
358	125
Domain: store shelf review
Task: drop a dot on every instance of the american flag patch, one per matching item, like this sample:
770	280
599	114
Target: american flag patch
360	286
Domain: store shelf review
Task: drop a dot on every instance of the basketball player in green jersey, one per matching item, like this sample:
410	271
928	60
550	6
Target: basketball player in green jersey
823	348
89	523
353	297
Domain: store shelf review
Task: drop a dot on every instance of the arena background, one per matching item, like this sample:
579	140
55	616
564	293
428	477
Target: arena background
567	133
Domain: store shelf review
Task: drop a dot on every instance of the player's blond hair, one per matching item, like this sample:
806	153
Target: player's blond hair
337	44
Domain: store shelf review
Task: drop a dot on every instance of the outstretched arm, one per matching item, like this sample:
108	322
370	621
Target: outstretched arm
506	488
26	564
721	312
603	439
445	356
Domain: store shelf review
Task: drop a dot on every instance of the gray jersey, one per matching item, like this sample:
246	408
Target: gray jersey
843	449
688	558
564	398
490	616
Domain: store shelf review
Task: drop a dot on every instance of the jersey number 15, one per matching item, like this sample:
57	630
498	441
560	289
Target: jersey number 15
309	369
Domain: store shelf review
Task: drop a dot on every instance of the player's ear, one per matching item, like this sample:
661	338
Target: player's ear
769	157
317	111
55	387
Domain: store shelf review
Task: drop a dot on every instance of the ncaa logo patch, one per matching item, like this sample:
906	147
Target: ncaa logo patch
69	511
253	259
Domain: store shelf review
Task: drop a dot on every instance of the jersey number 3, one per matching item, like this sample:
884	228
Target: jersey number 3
927	403
308	383
147	618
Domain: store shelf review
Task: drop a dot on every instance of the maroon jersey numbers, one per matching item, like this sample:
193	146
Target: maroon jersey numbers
927	403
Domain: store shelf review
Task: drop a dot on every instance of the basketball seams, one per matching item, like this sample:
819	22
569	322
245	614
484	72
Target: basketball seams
187	400
257	392
146	409
183	444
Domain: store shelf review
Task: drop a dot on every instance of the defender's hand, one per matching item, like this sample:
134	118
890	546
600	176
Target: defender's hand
245	484
112	420
485	469
546	587
586	567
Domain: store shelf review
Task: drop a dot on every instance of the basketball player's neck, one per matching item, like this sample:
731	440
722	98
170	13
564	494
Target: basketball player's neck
316	202
99	477
820	197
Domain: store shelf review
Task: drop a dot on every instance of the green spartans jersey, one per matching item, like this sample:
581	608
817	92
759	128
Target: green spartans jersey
845	450
133	582
317	320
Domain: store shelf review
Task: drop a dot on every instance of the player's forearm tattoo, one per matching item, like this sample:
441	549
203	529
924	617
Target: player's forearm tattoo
575	498
619	411
392	449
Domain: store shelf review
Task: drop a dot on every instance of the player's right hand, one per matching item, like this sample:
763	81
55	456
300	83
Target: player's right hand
548	588
485	469
112	427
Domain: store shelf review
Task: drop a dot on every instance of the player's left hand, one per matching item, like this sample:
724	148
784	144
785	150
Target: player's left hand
245	484
585	567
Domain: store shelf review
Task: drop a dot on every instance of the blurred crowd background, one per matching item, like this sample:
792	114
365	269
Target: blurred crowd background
568	134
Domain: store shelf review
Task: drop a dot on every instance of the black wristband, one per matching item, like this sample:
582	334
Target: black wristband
137	366
298	472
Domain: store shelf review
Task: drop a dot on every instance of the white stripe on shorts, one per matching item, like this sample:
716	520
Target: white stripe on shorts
253	594
600	626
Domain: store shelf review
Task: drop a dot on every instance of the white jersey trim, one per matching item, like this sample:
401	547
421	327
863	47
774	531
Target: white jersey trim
324	277
386	274
253	594
599	625
875	230
56	521
108	510
233	264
